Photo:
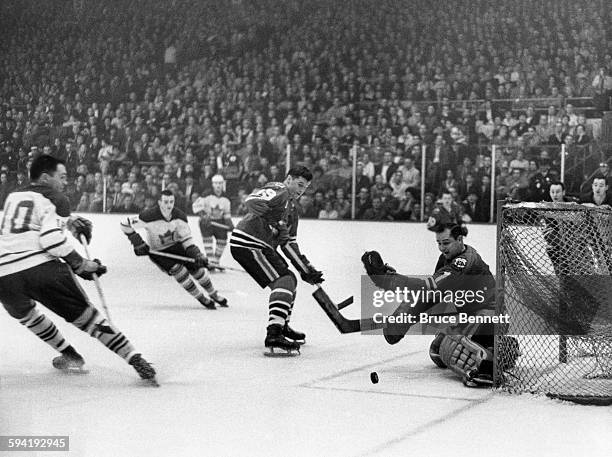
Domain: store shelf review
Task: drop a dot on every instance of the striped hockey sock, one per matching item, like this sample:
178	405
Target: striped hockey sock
209	246
45	329
203	279
181	274
94	324
220	248
280	305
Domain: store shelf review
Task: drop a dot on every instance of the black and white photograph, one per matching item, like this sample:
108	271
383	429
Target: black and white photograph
313	228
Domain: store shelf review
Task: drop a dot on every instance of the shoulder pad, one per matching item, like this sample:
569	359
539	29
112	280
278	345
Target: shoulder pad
150	215
59	200
178	214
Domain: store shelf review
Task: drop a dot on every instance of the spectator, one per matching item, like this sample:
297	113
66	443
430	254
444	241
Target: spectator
328	211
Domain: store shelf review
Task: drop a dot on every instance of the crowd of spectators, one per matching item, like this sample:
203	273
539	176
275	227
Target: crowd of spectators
140	95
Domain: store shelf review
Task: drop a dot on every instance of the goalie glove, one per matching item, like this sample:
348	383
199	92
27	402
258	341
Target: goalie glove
200	260
374	265
80	226
140	247
83	267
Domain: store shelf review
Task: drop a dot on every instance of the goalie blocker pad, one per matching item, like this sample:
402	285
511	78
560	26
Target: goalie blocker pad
468	359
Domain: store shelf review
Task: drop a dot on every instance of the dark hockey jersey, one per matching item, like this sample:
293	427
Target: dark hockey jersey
260	231
466	272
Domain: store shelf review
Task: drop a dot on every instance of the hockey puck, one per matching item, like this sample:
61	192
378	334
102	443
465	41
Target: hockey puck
374	377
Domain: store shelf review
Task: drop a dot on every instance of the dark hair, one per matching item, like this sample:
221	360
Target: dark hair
44	164
167	193
600	176
300	171
557	183
455	230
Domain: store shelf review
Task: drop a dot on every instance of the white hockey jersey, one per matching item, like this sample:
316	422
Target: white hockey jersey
161	232
33	228
218	208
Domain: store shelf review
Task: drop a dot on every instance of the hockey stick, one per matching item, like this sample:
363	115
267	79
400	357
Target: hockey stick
190	260
96	281
343	324
219	225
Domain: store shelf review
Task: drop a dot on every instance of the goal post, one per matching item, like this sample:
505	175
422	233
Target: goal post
554	266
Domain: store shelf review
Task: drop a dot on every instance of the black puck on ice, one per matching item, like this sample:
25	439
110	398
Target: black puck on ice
374	377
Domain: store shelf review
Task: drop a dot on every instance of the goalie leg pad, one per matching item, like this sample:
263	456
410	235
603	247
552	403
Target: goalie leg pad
468	359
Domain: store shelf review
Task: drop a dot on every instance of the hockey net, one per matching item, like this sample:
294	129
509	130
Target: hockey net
554	265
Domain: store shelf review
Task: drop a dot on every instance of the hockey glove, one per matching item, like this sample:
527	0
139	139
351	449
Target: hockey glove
200	260
80	226
140	247
83	267
205	220
312	276
374	265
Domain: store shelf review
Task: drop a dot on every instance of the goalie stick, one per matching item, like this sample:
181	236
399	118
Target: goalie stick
343	324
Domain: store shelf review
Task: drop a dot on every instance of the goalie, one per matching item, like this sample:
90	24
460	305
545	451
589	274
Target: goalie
467	349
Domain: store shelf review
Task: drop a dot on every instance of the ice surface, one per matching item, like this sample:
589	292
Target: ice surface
221	397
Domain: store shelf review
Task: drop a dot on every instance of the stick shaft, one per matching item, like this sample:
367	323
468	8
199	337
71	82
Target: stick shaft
223	226
96	281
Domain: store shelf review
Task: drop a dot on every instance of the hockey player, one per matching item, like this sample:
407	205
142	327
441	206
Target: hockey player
168	231
215	221
272	222
37	264
467	349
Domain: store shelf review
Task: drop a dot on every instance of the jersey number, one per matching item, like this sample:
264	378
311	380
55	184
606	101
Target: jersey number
265	194
19	217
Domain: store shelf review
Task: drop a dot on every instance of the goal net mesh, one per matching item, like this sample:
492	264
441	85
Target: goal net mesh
554	281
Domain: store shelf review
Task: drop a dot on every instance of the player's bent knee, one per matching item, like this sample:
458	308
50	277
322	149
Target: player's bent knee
89	320
468	359
287	281
434	350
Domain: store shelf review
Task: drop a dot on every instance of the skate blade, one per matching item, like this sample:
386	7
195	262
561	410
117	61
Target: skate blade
73	370
281	353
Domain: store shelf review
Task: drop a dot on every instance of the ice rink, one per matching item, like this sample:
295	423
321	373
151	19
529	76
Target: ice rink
220	396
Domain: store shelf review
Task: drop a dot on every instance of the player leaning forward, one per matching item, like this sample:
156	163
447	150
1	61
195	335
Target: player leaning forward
168	232
467	349
37	263
271	222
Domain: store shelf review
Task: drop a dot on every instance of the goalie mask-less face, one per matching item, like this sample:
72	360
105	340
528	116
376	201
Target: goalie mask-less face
450	247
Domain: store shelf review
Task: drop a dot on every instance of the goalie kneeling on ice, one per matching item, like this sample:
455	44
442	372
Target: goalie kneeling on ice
463	318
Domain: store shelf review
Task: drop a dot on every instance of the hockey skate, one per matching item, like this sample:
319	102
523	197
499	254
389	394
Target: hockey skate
144	369
219	300
276	340
294	335
207	302
70	361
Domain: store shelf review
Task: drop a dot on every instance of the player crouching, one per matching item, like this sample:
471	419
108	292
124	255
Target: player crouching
467	349
38	264
168	233
215	216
